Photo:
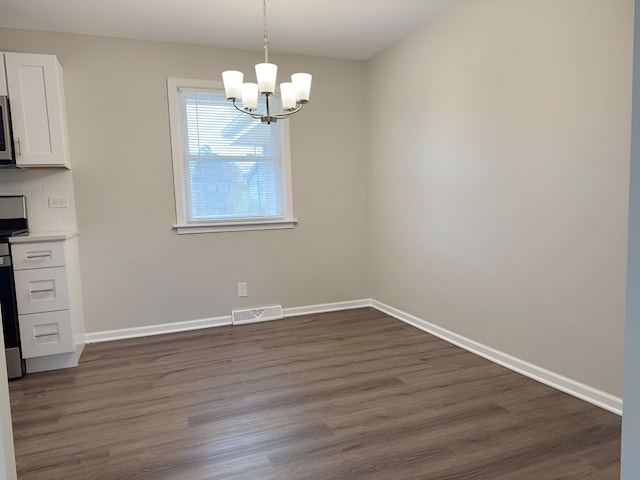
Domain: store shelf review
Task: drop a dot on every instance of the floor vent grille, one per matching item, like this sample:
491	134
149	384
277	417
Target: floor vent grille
254	315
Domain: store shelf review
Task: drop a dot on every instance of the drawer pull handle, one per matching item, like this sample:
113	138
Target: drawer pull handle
35	256
42	290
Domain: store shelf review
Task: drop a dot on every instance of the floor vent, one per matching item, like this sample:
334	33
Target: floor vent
254	315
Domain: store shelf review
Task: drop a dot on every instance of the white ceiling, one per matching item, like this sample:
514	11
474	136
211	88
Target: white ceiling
353	29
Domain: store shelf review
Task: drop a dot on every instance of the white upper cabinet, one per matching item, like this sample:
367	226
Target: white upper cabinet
36	96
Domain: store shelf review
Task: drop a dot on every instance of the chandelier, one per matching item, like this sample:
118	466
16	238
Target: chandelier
293	94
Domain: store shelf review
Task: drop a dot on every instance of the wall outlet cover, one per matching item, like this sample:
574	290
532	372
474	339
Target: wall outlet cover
58	202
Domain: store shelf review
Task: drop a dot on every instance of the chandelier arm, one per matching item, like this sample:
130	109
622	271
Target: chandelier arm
289	113
248	112
268	116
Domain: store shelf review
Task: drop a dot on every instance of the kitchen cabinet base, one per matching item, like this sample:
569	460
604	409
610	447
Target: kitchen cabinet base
55	362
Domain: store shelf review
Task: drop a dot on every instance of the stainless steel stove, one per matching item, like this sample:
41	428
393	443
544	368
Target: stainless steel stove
13	221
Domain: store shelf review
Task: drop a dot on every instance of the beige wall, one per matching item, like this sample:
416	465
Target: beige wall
498	177
136	271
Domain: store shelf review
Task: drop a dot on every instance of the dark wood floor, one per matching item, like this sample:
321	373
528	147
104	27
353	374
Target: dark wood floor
345	395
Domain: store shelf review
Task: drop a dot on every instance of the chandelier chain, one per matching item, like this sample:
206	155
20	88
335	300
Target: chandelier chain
266	33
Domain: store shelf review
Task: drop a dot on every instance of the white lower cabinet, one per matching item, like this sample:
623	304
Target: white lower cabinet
49	300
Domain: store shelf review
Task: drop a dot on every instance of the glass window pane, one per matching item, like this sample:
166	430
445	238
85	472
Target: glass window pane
232	162
224	188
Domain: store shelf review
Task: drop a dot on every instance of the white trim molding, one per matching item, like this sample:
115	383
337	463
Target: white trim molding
235	226
559	382
147	331
327	307
159	329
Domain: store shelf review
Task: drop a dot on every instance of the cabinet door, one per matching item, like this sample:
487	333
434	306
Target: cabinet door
36	94
41	290
45	334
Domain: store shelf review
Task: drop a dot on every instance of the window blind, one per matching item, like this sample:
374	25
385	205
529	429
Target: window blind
232	163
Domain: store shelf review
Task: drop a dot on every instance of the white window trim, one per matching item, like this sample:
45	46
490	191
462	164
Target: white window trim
236	225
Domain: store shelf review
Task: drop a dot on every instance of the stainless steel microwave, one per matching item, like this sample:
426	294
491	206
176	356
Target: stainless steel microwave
7	155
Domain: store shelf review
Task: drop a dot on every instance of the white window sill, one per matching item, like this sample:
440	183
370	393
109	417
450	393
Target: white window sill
235	226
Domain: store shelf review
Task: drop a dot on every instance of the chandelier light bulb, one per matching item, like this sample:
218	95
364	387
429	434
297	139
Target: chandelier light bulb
302	86
287	96
232	83
250	96
266	74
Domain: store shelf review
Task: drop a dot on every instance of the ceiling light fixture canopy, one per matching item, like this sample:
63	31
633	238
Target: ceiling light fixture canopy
293	94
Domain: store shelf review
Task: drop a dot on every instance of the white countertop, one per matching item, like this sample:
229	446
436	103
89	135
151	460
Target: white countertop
44	236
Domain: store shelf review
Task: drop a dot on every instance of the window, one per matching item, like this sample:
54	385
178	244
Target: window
231	172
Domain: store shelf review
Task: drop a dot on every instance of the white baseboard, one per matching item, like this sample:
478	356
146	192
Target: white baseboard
580	390
559	382
146	331
159	329
327	307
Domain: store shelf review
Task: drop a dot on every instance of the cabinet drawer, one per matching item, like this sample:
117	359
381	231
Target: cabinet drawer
46	333
42	290
37	255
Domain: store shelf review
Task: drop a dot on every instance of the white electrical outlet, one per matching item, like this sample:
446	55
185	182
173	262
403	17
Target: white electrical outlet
242	289
59	202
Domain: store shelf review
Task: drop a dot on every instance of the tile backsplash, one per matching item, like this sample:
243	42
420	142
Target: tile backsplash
38	186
